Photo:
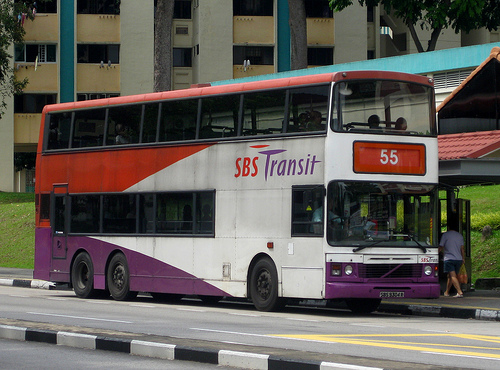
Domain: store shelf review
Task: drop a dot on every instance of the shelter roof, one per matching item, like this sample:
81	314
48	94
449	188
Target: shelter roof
468	144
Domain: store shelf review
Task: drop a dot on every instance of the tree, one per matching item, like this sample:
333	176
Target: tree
11	31
298	34
436	15
163	61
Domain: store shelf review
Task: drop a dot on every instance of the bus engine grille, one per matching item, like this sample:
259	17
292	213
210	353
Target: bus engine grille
379	271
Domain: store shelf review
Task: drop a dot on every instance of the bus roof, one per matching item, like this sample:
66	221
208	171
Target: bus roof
239	87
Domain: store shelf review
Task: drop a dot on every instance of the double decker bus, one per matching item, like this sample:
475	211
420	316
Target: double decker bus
320	187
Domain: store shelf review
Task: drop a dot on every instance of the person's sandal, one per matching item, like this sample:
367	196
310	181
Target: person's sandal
458	296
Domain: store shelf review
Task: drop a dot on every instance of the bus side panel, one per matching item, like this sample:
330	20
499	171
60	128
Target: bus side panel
43	254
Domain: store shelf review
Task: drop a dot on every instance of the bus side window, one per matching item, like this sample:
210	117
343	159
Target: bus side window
178	120
124	124
308	109
219	117
307	210
59	129
264	113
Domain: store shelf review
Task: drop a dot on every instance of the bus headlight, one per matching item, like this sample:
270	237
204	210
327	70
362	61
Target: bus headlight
348	270
428	270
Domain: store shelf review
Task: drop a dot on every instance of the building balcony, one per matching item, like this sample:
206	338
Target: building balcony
26	128
320	31
254	70
98	28
182	32
253	30
45	27
44	78
93	77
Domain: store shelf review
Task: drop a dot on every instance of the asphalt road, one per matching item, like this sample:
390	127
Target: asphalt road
16	355
377	340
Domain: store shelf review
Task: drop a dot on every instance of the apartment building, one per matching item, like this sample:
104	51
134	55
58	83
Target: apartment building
88	49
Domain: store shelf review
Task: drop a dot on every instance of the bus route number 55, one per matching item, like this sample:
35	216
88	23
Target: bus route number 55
389	156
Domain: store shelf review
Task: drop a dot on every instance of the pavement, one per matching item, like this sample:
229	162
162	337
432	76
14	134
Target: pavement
476	304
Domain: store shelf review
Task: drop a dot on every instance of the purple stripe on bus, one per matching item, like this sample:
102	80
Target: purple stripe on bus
148	274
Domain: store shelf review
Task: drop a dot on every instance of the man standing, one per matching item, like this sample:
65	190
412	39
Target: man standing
452	243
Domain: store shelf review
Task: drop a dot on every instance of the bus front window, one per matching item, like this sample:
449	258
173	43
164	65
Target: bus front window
389	107
389	214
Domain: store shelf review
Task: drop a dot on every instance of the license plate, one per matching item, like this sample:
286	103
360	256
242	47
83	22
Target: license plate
392	294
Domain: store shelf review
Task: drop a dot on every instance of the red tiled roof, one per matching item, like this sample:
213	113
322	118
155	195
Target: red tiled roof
468	144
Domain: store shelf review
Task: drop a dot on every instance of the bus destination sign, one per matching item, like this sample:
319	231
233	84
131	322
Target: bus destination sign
394	158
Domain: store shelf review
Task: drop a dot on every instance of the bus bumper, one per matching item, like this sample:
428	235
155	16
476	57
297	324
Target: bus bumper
384	290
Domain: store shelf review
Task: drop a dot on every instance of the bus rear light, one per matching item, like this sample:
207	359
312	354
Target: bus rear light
336	270
436	271
270	245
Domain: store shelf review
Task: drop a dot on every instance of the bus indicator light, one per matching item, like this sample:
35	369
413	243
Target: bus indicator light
370	157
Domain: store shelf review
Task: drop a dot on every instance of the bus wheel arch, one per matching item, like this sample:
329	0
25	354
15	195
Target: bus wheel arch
82	274
118	277
263	284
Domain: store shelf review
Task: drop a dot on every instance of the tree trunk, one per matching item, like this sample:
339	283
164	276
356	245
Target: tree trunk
163	45
298	34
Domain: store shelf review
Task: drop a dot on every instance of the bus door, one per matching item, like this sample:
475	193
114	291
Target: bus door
59	220
463	209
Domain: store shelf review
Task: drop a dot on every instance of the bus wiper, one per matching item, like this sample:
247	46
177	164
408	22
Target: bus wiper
361	247
412	238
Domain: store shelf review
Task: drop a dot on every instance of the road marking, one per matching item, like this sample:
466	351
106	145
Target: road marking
378	340
305	320
190	310
141	305
454	355
79	317
244	314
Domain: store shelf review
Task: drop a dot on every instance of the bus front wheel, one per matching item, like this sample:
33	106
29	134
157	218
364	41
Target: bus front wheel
82	276
264	286
118	278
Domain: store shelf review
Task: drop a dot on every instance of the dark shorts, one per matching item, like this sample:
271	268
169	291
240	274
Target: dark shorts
452	265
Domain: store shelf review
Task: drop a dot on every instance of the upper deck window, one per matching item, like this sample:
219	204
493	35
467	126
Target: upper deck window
385	107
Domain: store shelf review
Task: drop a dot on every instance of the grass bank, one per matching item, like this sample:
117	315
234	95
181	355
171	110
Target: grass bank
17	230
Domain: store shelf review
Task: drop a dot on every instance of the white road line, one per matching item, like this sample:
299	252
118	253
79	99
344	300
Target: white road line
79	317
190	310
244	314
485	357
306	320
142	305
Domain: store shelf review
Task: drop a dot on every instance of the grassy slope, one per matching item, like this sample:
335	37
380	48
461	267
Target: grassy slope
485	202
17	235
17	230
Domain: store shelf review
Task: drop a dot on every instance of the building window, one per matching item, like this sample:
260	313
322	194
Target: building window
182	9
32	103
319	56
28	53
318	9
183	57
257	55
47	6
98	6
253	7
97	53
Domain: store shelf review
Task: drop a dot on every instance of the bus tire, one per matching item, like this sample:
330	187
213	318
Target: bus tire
363	305
82	276
264	286
118	278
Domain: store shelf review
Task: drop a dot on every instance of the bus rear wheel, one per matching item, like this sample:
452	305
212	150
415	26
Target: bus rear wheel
118	278
82	276
264	286
363	305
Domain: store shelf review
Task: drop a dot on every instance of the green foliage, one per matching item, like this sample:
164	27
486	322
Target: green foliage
11	31
435	15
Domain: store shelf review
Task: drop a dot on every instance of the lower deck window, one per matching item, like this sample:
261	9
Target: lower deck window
169	213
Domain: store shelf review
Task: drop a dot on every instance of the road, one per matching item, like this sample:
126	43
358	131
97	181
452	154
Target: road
377	340
29	355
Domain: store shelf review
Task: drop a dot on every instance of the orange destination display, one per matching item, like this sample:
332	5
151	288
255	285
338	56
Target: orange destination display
370	157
